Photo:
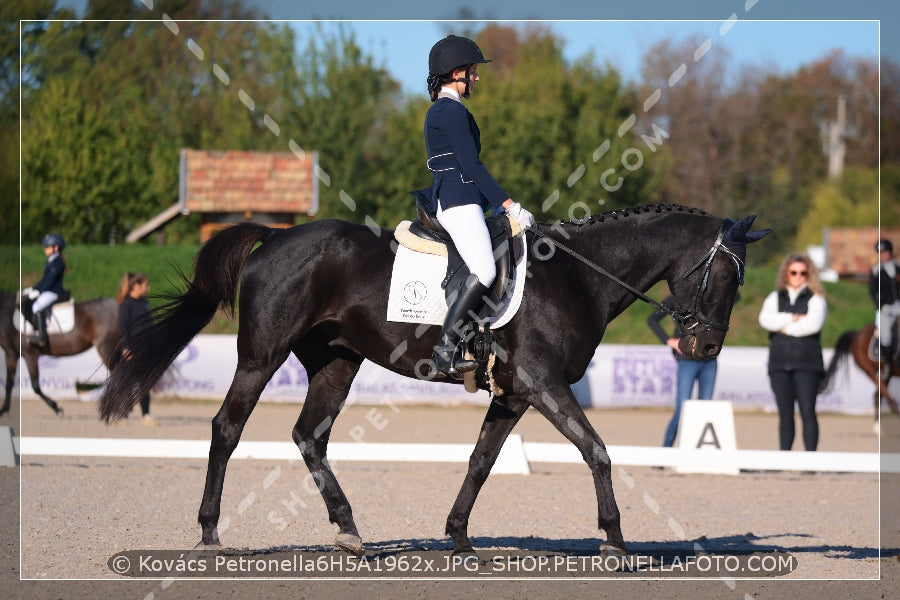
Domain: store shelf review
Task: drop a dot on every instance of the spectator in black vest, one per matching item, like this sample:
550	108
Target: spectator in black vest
794	315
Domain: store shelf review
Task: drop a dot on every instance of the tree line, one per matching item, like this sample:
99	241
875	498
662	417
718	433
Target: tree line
107	102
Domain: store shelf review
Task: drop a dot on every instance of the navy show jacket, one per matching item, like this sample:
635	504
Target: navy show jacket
453	142
52	280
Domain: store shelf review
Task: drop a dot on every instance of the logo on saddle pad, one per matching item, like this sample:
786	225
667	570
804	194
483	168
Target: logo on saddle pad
420	267
415	292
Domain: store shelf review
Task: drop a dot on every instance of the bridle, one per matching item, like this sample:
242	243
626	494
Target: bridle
694	318
692	321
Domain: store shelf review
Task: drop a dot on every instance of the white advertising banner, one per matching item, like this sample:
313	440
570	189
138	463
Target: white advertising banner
619	376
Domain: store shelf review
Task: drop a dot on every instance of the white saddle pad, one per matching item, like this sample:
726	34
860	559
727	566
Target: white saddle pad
62	319
416	295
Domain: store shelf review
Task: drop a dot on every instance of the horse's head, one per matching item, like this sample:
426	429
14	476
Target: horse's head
705	293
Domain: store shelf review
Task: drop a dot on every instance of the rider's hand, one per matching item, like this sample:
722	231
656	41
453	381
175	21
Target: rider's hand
31	293
524	218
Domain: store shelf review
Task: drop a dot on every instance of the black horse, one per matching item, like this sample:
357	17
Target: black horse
96	324
321	291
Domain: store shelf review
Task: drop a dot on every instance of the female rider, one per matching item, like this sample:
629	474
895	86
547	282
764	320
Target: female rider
463	188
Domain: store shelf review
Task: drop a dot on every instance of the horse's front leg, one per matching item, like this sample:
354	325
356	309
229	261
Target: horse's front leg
11	361
559	405
883	387
328	389
498	422
31	361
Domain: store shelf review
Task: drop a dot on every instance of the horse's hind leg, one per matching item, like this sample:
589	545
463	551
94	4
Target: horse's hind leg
560	407
498	422
249	382
329	385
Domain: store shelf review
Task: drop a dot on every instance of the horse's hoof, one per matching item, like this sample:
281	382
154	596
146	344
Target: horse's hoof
466	554
204	546
607	550
350	543
59	412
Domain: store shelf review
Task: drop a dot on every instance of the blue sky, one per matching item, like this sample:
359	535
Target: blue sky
772	34
782	46
777	43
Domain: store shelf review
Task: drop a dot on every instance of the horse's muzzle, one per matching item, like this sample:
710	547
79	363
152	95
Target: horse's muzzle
694	349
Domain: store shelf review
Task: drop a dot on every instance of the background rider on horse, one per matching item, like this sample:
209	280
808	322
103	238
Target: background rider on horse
884	281
48	290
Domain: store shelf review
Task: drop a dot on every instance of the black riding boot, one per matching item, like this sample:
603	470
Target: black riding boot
447	361
40	338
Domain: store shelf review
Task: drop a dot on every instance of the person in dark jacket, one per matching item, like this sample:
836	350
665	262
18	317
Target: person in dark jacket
793	315
48	290
463	189
134	319
884	289
689	370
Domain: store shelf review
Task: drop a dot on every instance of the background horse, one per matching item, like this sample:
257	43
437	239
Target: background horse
856	344
321	291
96	324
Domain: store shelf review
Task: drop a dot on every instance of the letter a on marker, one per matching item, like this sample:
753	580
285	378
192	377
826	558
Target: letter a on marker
714	441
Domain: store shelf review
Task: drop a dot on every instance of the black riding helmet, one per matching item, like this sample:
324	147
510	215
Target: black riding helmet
450	53
53	239
884	244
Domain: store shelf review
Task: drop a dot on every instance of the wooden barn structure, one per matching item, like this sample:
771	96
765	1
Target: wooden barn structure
232	186
850	251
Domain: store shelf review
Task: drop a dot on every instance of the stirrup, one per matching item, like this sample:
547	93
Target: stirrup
457	367
450	362
37	341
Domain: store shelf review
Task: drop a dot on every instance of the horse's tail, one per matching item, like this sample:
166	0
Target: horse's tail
217	269
841	353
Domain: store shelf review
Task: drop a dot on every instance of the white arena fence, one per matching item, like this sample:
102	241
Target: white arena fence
515	457
619	376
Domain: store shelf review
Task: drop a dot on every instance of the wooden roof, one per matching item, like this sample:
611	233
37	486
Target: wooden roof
851	250
236	181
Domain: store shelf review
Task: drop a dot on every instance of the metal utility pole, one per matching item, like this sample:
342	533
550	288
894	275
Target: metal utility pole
837	134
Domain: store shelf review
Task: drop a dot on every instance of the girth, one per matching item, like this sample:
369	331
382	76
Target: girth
426	226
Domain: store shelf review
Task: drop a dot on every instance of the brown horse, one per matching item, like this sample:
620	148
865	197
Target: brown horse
856	344
96	324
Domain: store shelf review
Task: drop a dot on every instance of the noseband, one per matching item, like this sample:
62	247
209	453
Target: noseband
693	321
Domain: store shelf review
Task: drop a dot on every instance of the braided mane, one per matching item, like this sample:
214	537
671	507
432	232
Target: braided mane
626	212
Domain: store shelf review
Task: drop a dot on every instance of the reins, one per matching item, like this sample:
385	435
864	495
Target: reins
557	244
705	261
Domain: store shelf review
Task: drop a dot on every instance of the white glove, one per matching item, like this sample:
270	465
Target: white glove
521	215
31	293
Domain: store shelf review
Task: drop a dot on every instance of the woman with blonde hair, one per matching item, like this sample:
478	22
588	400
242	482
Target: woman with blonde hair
134	318
794	314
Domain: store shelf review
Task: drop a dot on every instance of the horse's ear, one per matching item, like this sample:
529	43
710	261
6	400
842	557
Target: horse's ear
740	231
759	234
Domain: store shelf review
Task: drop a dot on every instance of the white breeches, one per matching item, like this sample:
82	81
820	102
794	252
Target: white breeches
466	226
44	300
887	315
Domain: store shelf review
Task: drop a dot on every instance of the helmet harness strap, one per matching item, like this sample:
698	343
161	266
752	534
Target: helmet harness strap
466	92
